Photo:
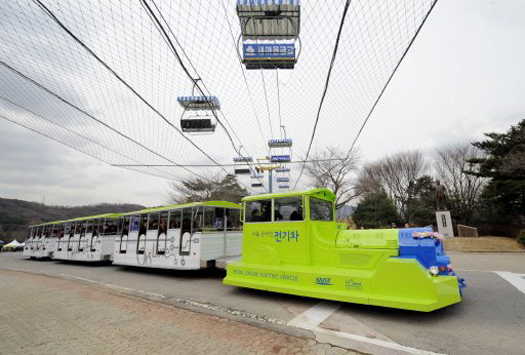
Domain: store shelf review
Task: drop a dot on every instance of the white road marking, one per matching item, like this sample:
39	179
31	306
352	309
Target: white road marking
311	318
314	316
515	280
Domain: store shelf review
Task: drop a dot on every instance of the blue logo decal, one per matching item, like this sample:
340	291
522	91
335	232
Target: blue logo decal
269	50
323	281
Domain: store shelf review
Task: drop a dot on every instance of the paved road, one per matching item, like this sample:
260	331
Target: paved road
55	316
491	318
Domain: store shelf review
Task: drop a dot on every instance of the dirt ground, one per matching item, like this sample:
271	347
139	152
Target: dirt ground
481	244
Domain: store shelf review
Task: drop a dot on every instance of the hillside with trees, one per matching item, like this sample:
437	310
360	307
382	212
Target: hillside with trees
17	215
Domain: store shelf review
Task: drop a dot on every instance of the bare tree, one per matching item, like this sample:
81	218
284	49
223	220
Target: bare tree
336	170
464	189
397	174
217	187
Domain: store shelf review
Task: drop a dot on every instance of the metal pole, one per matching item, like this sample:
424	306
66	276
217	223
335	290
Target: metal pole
270	180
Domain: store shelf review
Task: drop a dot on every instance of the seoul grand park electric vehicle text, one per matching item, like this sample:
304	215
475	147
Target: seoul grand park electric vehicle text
291	243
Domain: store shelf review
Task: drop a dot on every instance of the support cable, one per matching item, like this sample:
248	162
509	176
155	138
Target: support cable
347	5
166	37
42	87
76	134
93	54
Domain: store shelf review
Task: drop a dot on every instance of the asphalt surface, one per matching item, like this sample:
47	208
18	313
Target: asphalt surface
489	320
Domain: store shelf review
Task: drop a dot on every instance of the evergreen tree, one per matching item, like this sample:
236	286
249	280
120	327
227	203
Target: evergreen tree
376	210
504	164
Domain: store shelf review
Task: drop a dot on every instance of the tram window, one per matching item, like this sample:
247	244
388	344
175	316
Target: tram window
288	209
175	219
153	222
214	218
134	224
186	220
95	227
109	227
89	226
163	223
143	224
197	219
125	225
321	210
259	211
233	219
80	228
69	228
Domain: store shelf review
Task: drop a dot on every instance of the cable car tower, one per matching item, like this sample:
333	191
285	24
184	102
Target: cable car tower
203	120
269	33
281	151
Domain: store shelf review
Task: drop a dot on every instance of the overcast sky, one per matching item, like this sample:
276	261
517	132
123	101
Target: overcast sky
462	77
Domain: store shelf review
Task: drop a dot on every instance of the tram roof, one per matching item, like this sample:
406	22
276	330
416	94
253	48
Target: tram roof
105	215
183	205
323	193
46	223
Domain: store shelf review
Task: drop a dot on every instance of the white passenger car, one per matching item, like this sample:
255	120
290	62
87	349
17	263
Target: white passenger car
41	242
89	238
189	236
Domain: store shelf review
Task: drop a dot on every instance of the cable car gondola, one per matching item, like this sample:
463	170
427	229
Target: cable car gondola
240	162
269	31
204	120
280	143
